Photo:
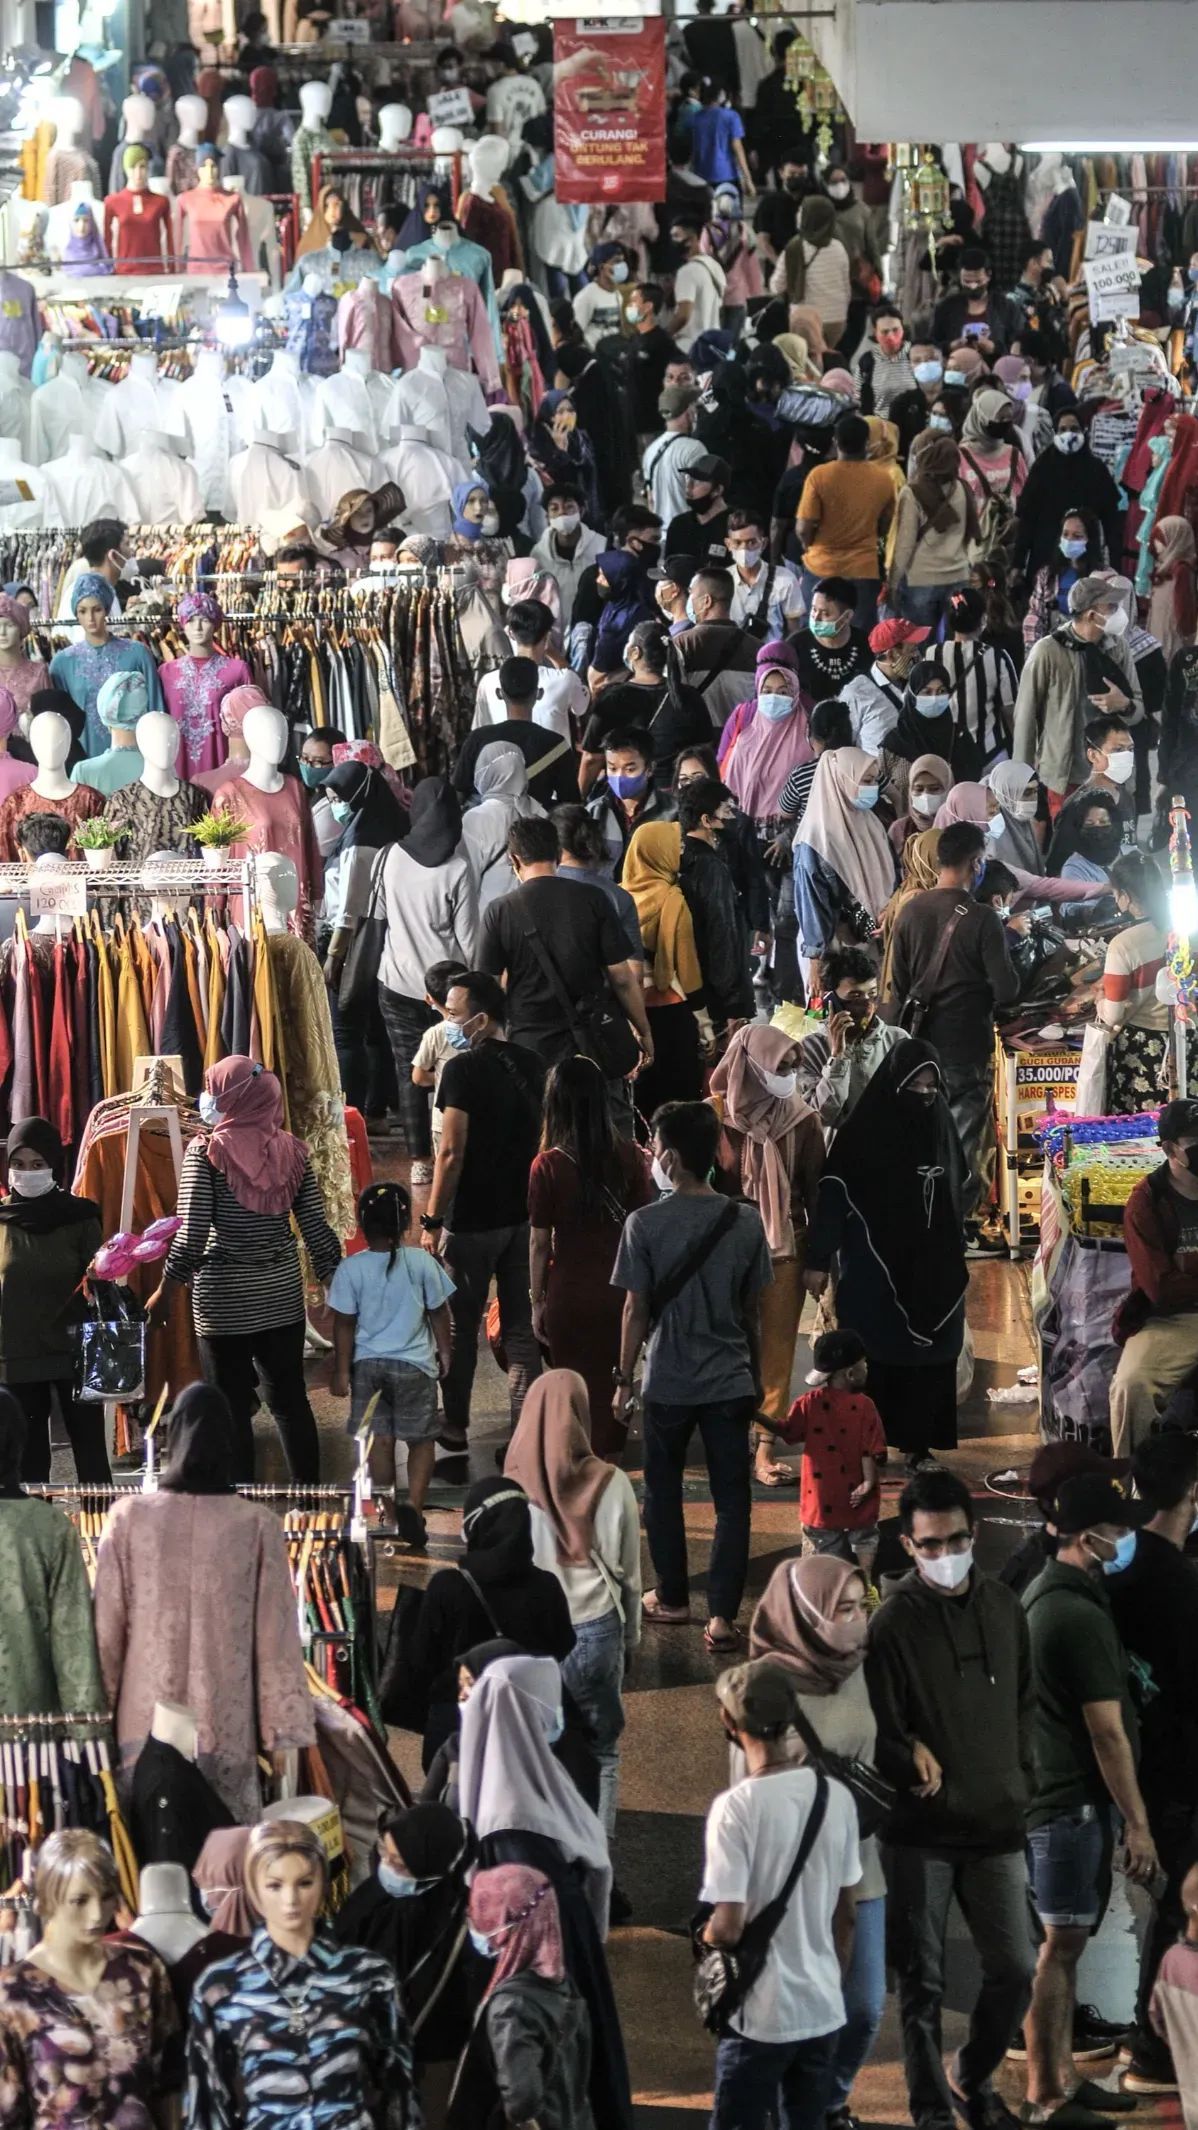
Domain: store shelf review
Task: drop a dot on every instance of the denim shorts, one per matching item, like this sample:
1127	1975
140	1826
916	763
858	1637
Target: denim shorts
1069	1865
827	1538
407	1407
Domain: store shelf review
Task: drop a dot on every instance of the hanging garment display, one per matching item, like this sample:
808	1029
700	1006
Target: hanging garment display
19	326
446	313
265	479
142	400
79	805
166	486
340	465
65	406
82	485
137	231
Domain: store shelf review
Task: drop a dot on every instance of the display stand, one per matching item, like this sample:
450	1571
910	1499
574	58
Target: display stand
1031	1087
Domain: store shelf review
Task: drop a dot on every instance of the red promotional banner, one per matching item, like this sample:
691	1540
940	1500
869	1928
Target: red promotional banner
609	110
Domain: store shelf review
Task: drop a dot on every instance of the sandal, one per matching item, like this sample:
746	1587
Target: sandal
664	1615
721	1644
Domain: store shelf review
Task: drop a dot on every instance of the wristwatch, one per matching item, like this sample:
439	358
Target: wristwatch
621	1381
430	1225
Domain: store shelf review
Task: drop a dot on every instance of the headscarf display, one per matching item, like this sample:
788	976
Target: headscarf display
765	750
201	1451
914	733
16	611
435	823
378	818
121	700
1016	842
516	1908
497	1529
219	1872
83	252
795	1623
58	1208
264	87
261	1163
965	802
899	1166
1173	606
199	606
466	528
414	229
235	705
550	1456
510	1781
766	1122
853	843
319	234
650	874
91	585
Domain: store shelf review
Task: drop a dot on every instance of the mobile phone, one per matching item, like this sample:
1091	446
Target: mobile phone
976	331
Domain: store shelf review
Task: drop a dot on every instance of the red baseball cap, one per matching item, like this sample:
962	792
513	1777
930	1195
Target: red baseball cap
888	635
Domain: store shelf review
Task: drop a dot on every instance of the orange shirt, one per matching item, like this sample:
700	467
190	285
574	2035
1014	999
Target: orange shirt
847	498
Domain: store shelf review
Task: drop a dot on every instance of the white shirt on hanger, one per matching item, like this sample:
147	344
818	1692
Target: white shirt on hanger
282	402
343	401
25	517
263	479
167	486
428	478
79	488
138	403
445	406
204	399
61	408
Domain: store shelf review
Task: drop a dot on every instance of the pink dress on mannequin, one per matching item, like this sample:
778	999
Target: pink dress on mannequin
279	821
195	689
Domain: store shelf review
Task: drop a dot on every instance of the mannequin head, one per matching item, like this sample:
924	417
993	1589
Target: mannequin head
286	1878
92	603
232	716
14	628
67	116
445	236
138	114
164	1889
316	101
199	617
395	126
158	739
121	705
208	168
278	889
137	170
239	118
265	733
76	1889
488	161
192	114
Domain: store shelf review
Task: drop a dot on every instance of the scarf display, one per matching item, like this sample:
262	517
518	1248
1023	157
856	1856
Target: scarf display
853	843
550	1456
795	1623
261	1163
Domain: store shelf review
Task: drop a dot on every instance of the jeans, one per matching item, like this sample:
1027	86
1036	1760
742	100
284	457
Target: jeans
272	1361
762	2082
406	1020
85	1432
864	1998
788	984
594	1673
865	613
969	1092
1069	1866
991	1892
725	1432
925	604
473	1260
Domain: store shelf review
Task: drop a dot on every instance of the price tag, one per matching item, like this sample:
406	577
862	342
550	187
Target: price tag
348	30
451	107
57	894
1113	288
1118	210
1109	240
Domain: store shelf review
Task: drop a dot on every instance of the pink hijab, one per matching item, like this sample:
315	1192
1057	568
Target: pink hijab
219	1871
765	750
767	1123
965	802
516	1908
235	704
261	1163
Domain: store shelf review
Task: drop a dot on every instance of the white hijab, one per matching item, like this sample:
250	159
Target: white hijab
501	781
852	842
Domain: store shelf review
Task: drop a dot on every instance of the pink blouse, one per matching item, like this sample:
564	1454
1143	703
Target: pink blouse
194	689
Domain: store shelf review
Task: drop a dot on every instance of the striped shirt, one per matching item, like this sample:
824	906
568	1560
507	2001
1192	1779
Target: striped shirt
1133	962
245	1266
796	791
983	685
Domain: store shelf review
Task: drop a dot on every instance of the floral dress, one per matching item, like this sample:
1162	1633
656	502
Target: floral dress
194	689
88	2063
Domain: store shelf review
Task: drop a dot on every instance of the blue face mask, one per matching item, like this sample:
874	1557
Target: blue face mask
690	609
397	1883
931	705
627	787
1075	549
866	799
341	811
940	421
483	1944
775	707
208	1109
1125	1553
457	1036
928	373
956	377
315	773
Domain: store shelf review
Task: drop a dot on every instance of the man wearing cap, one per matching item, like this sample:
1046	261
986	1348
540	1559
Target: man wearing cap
597	306
1053	1463
1085	1741
717	656
671	586
876	698
844	510
649	351
1157	1325
1082	668
673	454
776	2060
701	529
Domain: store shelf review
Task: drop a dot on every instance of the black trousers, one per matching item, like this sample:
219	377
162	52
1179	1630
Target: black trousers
406	1020
1175	1831
364	1057
85	1432
271	1362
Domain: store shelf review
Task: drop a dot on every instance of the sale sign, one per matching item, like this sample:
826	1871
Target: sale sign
609	110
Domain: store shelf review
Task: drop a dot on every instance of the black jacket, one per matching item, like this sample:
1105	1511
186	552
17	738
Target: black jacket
955	1673
721	935
1058	482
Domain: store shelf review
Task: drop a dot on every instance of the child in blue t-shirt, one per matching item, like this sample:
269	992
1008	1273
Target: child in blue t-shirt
391	1335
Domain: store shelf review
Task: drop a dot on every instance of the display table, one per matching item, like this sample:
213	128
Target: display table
1029	1084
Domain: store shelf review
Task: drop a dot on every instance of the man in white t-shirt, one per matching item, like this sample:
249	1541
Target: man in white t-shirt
766	597
775	2062
664	465
599	304
699	286
514	97
560	692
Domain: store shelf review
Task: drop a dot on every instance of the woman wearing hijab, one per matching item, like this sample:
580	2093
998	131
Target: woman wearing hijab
603	416
530	2053
993	466
919	871
1011	827
767	746
935	528
890	1211
815	269
527	357
497	1590
242	1182
48	1661
562	453
929	781
584	1182
194	1605
501	461
777	1150
1067	478
367	818
1173	605
501	781
843	864
526	1811
586	1530
672	974
430	902
812	1620
1079	551
627	596
47	1241
924	721
794	348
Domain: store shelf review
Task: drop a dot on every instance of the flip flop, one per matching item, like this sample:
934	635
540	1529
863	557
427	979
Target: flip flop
664	1615
721	1644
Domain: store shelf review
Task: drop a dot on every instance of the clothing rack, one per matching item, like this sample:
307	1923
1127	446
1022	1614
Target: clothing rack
399	164
48	1782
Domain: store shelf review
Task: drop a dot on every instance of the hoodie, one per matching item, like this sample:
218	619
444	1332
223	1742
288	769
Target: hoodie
955	1673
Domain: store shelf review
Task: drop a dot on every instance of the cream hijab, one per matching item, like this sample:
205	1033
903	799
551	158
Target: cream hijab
849	840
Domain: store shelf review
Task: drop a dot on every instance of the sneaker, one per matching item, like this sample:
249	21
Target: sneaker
1106	2100
410	1527
422	1172
1094	2037
1151	2069
984	1242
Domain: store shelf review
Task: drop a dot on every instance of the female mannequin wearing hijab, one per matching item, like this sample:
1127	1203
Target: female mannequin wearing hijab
430	902
48	1661
226	1646
240	1185
368	818
47	1241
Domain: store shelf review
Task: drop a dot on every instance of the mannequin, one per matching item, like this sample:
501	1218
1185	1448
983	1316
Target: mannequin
312	138
120	705
50	790
239	157
281	400
67	161
462	256
166	487
427	477
278	890
994	161
265	477
137	222
211	231
165	1921
21	516
342	462
443	401
98	2003
440	309
174	1725
343	401
276	806
395	128
155	813
16	402
20	675
195	684
13	774
83	484
483	210
181	170
72	400
232	716
209	420
141	401
1000	172
138	120
264	235
83	667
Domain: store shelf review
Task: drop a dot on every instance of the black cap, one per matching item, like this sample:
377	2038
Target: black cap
708	468
676	569
1089	1498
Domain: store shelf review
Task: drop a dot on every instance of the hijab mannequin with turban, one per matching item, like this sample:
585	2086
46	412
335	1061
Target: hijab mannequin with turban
48	1238
196	684
19	673
119	704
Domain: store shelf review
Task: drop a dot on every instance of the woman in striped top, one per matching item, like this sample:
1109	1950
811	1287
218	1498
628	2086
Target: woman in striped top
239	1187
1129	1007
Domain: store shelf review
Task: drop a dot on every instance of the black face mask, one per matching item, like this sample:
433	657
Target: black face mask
795	184
1100	845
918	1100
1000	431
1192	1160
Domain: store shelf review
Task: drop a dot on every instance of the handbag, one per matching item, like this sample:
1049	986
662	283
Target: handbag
915	1008
364	955
725	1974
598	1024
875	1798
112	1347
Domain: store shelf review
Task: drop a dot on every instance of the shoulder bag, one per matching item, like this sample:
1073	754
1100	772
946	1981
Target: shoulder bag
874	1797
364	955
915	1008
726	1973
668	1289
597	1023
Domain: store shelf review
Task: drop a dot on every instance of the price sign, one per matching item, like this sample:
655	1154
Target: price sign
57	894
1113	288
451	107
1105	240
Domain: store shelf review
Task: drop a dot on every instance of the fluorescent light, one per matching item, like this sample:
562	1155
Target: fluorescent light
1183	909
1109	147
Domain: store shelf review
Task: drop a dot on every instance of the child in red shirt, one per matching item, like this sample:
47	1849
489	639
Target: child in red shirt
843	1444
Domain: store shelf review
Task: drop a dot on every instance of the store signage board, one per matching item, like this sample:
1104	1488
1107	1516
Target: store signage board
1118	209
1113	288
1107	240
609	109
451	107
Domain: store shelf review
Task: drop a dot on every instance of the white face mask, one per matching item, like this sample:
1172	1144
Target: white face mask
566	521
995	826
779	1084
619	271
31	1183
748	557
1069	440
1121	766
1024	809
1116	624
949	1571
490	524
839	191
659	1176
926	803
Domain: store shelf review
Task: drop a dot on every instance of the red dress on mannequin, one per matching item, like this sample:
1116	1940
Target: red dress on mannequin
133	227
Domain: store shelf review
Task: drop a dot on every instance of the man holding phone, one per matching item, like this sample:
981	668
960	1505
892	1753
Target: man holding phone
976	312
836	1067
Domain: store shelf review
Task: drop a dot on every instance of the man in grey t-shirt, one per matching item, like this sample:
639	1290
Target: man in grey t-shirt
701	1358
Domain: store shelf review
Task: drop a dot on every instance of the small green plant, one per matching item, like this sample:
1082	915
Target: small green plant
97	835
215	832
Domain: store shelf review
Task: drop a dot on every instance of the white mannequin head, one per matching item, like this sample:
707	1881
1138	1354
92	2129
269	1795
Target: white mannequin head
431	269
239	117
446	142
192	114
488	161
278	888
67	115
165	1920
395	127
265	732
50	739
434	360
138	113
173	1724
316	101
158	739
355	363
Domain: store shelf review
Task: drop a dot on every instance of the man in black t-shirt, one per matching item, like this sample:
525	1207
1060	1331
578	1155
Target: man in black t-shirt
645	703
552	763
477	1216
648	353
701	529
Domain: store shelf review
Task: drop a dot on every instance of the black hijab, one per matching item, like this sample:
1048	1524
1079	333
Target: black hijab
378	818
435	829
201	1443
914	735
432	1840
477	1659
499	454
899	1165
497	1528
58	1208
13	1433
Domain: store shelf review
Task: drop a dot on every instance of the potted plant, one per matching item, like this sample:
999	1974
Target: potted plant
216	834
98	839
